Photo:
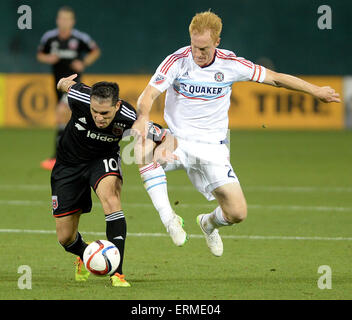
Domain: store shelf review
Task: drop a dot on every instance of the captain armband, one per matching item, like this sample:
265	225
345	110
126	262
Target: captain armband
156	132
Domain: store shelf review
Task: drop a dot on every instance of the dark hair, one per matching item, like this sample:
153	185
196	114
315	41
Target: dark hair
106	90
66	9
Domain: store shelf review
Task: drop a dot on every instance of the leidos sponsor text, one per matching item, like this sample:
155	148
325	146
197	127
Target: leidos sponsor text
98	136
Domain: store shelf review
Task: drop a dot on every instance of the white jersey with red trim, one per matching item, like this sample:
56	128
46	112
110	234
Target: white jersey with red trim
198	98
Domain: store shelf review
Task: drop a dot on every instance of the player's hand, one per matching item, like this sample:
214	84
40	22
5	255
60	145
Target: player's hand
327	94
162	155
77	65
52	58
65	83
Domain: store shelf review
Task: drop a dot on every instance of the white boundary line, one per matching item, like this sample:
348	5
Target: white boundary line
39	187
35	203
196	236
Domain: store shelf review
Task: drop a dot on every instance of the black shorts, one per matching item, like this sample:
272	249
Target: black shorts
71	185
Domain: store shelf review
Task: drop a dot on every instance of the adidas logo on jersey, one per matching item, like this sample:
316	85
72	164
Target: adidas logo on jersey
79	127
98	136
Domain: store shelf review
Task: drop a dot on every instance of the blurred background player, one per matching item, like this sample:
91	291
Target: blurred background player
68	51
198	80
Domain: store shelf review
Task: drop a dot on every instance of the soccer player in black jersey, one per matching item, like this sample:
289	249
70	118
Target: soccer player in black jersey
68	51
88	157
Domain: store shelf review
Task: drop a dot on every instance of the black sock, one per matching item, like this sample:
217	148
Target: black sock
76	247
116	230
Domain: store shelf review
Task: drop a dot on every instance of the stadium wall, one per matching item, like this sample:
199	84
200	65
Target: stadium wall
135	36
29	100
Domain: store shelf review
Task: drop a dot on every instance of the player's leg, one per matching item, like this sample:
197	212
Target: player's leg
155	182
109	194
211	173
72	241
154	179
232	207
106	181
68	235
70	197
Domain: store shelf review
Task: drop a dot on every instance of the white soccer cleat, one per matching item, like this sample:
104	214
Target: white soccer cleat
213	239
176	232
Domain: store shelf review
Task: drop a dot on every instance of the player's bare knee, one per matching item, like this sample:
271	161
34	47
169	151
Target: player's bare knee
241	214
65	237
110	202
236	214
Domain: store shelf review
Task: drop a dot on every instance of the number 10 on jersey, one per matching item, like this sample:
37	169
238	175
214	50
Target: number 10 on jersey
110	164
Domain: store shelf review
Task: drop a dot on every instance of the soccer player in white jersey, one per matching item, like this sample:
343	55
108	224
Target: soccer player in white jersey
198	80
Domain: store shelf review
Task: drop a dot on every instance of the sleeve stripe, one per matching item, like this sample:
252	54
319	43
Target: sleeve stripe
79	99
80	93
221	54
166	66
245	62
130	112
127	115
260	71
172	57
226	55
74	95
184	56
255	71
256	75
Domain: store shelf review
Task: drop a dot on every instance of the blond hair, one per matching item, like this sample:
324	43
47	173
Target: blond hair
204	21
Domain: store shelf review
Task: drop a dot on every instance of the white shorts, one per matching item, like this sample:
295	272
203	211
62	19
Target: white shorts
207	165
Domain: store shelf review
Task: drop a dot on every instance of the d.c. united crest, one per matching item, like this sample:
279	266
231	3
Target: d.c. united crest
55	202
117	129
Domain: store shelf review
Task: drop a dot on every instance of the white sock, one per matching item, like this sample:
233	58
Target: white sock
214	220
154	180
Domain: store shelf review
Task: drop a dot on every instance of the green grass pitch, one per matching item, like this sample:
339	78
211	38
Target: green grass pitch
298	186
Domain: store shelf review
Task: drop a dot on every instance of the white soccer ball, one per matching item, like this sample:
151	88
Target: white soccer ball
101	257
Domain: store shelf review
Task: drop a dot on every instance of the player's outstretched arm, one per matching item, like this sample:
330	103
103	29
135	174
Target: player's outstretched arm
65	84
325	94
144	105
